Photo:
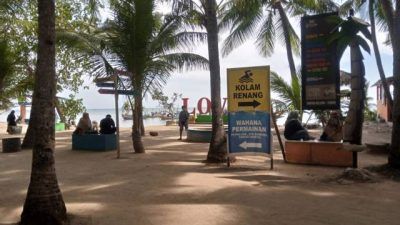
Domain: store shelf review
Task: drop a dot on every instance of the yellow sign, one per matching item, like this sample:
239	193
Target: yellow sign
248	89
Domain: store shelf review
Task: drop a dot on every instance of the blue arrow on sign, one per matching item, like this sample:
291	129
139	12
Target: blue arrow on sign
249	132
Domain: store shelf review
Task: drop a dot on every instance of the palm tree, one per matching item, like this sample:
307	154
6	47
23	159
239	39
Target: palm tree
44	203
288	94
146	45
375	11
392	16
348	36
268	19
204	15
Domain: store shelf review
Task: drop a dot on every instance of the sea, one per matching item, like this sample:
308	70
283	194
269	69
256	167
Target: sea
99	114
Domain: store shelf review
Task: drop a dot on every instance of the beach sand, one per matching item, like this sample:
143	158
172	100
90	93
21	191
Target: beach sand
170	185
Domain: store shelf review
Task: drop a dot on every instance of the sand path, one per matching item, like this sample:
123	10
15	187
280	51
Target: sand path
169	185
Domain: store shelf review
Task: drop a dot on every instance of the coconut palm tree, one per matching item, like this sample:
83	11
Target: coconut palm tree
289	94
375	11
203	14
44	202
391	12
144	44
268	20
348	36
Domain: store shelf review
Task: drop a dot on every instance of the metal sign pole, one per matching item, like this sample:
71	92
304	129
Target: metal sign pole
116	112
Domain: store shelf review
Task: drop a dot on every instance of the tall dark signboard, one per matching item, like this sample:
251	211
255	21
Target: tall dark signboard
320	64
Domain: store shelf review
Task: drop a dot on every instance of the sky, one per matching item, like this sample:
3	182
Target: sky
196	84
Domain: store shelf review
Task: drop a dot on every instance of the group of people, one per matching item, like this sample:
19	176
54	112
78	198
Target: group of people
86	126
333	130
294	130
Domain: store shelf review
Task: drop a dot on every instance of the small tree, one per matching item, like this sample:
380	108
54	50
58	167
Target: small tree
167	103
68	109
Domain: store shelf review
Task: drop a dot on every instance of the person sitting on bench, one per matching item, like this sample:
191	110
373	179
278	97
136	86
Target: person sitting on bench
333	131
293	128
107	125
84	124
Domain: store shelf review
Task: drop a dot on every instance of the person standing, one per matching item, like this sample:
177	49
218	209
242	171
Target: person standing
107	125
183	121
11	121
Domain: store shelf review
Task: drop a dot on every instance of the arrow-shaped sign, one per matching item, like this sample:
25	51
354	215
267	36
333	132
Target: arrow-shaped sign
110	85
253	104
120	92
247	145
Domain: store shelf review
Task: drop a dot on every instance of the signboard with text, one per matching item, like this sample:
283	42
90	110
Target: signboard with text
320	64
249	132
248	89
249	110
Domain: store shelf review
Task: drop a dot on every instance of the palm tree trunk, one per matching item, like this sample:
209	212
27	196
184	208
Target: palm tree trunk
355	116
60	111
29	137
393	22
286	25
142	128
377	53
137	124
394	156
217	151
44	204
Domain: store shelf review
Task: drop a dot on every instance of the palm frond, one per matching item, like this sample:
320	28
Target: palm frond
266	37
244	17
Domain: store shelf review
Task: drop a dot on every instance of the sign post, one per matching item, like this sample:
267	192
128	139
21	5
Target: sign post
320	64
112	82
249	108
117	114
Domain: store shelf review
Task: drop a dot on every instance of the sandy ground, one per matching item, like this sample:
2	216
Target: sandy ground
170	185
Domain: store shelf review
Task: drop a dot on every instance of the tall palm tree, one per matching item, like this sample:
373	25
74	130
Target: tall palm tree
44	203
375	11
391	11
348	36
203	13
146	45
269	21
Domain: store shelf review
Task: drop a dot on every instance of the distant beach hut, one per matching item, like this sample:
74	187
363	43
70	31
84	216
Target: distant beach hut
384	110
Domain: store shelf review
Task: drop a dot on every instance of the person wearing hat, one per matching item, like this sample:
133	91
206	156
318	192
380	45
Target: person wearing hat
107	125
333	130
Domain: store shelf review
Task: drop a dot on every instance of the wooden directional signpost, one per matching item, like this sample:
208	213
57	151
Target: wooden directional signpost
112	82
249	111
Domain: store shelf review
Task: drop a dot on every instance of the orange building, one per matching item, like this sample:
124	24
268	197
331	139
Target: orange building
383	109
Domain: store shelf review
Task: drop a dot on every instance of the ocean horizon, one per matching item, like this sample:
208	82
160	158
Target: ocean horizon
99	114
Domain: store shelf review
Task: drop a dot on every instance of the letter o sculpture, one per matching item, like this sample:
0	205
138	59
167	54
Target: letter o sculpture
200	105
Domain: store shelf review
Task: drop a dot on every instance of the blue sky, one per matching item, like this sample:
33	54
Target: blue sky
196	84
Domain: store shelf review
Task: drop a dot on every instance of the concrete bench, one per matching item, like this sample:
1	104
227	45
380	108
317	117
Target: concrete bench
11	144
322	153
94	142
15	130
